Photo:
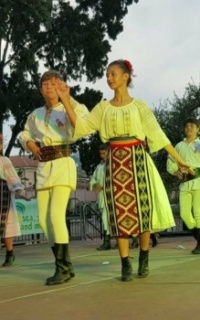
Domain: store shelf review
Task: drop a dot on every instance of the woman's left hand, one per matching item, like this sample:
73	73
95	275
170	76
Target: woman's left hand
186	167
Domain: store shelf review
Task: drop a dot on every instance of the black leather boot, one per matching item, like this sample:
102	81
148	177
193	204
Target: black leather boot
134	244
154	240
194	232
68	259
143	269
127	271
106	242
196	250
62	273
10	258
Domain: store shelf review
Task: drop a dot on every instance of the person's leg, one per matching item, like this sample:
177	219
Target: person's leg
10	258
123	247
185	200
144	239
196	213
58	205
43	201
143	269
8	244
154	240
106	235
134	244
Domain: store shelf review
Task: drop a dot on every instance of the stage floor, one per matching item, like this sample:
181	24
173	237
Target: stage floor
172	290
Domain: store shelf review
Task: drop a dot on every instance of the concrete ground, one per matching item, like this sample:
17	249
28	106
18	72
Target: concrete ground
172	290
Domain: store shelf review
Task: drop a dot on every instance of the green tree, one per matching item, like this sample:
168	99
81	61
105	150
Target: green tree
20	23
72	38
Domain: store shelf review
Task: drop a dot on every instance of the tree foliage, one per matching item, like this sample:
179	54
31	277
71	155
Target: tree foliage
70	36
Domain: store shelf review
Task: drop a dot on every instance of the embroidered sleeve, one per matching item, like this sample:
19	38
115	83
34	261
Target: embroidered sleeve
156	138
90	123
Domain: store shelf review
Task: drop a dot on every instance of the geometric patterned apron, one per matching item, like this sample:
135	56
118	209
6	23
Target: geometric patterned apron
5	199
127	188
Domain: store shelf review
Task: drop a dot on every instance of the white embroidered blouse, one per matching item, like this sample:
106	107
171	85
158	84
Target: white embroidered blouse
134	119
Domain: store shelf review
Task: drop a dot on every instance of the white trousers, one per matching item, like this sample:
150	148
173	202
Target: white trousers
52	205
190	208
105	220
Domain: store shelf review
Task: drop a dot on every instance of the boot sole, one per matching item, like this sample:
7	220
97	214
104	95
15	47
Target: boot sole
58	282
126	279
143	276
5	265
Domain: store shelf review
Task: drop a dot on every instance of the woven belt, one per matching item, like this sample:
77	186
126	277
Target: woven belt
50	153
125	142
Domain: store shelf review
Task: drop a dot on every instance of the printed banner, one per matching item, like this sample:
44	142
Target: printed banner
28	216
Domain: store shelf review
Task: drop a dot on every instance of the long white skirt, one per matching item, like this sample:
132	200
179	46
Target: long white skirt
162	216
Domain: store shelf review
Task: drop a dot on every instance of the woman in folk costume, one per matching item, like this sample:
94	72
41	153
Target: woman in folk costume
48	135
10	186
135	196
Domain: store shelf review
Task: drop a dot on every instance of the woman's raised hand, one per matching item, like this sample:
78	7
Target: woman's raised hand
63	90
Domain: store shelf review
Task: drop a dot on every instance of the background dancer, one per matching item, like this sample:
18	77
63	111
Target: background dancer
10	186
135	196
189	196
48	134
96	184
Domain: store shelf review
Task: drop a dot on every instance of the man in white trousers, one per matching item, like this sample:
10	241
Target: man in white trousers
189	197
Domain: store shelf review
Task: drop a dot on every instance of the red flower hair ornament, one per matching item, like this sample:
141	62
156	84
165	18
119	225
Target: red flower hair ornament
128	65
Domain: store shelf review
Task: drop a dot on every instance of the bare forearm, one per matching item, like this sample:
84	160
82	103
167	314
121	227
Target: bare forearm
173	153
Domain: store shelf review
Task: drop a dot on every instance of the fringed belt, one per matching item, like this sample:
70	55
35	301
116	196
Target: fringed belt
50	153
125	142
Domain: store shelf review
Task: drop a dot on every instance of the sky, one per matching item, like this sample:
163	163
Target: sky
161	38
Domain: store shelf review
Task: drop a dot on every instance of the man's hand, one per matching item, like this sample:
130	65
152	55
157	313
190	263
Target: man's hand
35	149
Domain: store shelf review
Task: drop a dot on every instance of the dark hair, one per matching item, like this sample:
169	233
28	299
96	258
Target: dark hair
191	120
104	146
50	74
126	66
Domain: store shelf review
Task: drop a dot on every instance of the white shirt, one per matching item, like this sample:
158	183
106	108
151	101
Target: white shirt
190	153
53	127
